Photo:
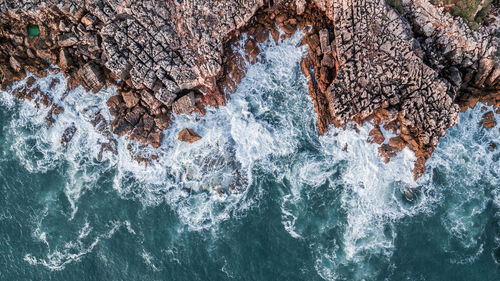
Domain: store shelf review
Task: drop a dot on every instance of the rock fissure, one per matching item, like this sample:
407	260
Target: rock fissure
411	71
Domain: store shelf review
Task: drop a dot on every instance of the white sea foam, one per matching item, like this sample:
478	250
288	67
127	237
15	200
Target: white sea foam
72	251
235	138
262	127
468	174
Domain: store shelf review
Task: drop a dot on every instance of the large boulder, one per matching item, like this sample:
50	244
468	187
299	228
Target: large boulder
188	135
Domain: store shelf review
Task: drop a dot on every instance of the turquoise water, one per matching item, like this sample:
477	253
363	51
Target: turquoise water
296	206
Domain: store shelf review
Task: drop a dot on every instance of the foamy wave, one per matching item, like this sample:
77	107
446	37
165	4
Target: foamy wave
467	173
258	124
72	251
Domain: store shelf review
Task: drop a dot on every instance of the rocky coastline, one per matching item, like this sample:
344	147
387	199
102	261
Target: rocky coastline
409	70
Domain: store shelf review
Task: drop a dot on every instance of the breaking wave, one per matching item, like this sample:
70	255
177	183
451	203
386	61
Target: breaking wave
337	195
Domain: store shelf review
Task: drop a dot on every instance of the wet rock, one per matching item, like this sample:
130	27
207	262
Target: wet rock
29	83
493	146
68	134
162	121
397	143
252	48
488	120
188	135
376	136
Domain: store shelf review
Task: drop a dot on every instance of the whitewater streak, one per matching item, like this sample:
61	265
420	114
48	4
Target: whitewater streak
267	130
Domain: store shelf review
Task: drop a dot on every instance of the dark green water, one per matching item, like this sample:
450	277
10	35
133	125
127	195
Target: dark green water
305	208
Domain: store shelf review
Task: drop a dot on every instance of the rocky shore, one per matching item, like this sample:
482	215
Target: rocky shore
410	70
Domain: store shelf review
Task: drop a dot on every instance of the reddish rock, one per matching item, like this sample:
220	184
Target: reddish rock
386	151
92	76
397	143
184	105
488	120
188	135
31	80
252	48
376	136
493	146
162	121
155	138
131	99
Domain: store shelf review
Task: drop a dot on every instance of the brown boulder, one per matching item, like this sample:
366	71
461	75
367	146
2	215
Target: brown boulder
162	121
92	76
488	120
131	99
376	136
397	143
64	58
184	105
493	146
252	48
188	135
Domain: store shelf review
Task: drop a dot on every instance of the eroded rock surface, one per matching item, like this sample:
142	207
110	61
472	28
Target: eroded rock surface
411	71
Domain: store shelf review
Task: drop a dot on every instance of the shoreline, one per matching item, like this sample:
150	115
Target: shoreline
403	76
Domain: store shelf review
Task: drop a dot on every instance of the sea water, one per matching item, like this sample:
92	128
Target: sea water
295	206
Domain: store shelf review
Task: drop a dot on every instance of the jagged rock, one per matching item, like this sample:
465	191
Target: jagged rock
376	136
167	93
64	58
131	98
301	6
68	134
488	120
185	104
161	49
15	64
92	76
252	48
67	40
188	135
324	39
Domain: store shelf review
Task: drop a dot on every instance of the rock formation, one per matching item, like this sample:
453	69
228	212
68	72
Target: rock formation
409	71
188	135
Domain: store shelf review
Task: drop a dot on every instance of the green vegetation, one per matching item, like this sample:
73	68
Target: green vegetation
467	9
33	30
396	4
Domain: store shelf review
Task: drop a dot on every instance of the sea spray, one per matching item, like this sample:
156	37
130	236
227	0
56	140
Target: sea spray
333	194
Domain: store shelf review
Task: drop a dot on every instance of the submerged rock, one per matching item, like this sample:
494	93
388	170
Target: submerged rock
488	120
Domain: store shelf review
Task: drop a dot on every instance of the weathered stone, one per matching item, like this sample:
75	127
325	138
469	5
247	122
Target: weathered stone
376	136
67	40
188	135
488	120
92	76
300	6
131	98
252	48
185	104
64	58
324	39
